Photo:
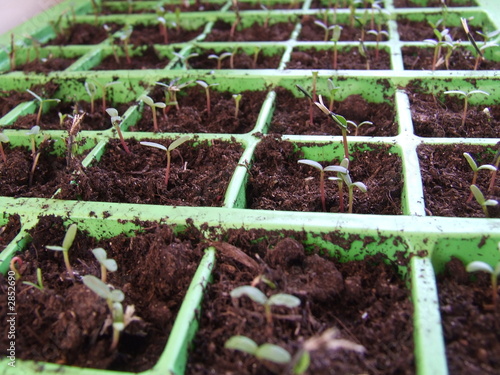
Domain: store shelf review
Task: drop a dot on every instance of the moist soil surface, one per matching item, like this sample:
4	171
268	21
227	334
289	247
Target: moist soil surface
292	116
221	32
11	98
349	59
148	35
9	230
416	58
83	34
447	177
199	174
143	58
433	3
442	116
365	300
193	116
64	323
418	31
241	60
48	65
470	323
278	182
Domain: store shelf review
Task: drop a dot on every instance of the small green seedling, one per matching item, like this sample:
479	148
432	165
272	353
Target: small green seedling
150	103
41	103
319	167
116	121
35	153
39	281
172	88
124	37
104	90
332	90
264	352
207	86
466	96
350	187
483	202
487	43
162	23
168	150
357	126
256	52
325	28
69	238
339	120
378	35
220	58
91	89
13	268
237	18
496	163
3	139
364	53
72	133
237	100
107	264
475	169
185	59
280	299
494	272
340	182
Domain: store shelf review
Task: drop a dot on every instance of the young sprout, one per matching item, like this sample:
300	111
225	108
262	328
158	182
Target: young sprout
494	272
357	126
475	169
237	100
319	167
207	86
440	35
280	299
124	36
13	268
3	139
69	238
496	164
332	89
335	38
41	104
72	133
264	352
325	28
378	35
363	20
39	281
466	96
364	53
487	43
256	52
220	58
104	91
149	102
116	121
339	120
168	150
107	264
35	154
91	89
162	23
237	19
483	202
350	187
172	88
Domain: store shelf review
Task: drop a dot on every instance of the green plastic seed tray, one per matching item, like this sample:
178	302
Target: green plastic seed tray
411	89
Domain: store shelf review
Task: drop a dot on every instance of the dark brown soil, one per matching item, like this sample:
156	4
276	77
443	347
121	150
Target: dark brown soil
447	178
366	300
50	121
10	99
442	116
82	34
204	6
433	3
471	329
46	65
154	270
199	174
278	182
276	32
9	230
312	32
418	31
240	61
347	59
278	5
291	116
416	58
193	117
146	59
148	35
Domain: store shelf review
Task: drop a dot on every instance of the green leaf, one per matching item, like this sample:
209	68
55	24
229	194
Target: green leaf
116	295
283	299
178	142
112	112
147	100
100	254
479	266
69	237
336	168
154	144
361	186
312	163
457	92
241	343
55	248
97	286
251	292
302	364
4	138
478	194
273	353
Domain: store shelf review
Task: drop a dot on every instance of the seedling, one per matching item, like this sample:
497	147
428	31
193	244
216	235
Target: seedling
496	163
332	89
41	103
3	139
237	100
264	352
483	202
494	273
104	90
325	28
357	126
116	120
350	187
185	59
162	23
237	19
364	53
72	133
124	36
68	240
280	299
107	264
172	88
363	20
35	153
256	52
335	38
91	89
207	86
487	43
110	32
39	281
13	268
220	58
149	102
475	169
466	96
378	35
168	150
319	167
339	120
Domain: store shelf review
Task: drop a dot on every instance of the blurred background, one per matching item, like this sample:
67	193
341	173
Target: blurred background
15	12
